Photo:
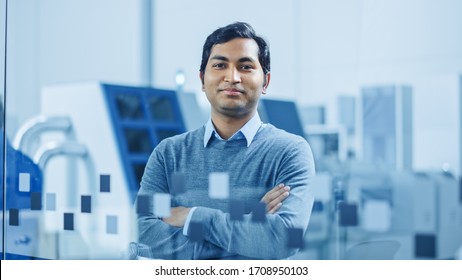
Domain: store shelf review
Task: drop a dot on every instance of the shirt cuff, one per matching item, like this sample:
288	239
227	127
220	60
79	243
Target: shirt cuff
188	220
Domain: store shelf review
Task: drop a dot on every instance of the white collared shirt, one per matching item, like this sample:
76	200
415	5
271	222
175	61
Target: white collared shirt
249	130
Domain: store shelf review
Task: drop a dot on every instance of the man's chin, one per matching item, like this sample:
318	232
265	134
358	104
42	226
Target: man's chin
235	112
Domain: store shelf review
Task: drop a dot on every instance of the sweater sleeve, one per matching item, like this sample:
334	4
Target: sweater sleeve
163	240
269	239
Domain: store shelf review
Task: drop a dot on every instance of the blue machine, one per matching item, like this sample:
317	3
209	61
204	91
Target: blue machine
119	125
282	114
141	118
18	163
20	200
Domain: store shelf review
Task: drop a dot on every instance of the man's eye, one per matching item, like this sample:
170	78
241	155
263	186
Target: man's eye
218	65
246	67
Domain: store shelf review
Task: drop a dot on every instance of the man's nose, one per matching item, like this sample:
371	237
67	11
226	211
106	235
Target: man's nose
233	75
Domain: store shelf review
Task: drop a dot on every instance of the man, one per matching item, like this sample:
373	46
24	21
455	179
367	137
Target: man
263	163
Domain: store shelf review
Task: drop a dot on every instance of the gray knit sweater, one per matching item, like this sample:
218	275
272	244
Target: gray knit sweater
273	157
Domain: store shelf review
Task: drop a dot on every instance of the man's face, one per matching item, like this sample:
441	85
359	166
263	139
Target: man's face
233	79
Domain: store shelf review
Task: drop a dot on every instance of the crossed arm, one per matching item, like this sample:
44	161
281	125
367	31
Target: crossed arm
273	200
223	237
166	240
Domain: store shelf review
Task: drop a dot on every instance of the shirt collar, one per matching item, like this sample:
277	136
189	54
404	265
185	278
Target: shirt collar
249	130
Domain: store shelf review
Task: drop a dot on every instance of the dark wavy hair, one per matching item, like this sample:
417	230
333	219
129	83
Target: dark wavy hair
232	31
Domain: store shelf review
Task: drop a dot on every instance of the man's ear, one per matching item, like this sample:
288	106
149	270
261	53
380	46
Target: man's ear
201	76
266	82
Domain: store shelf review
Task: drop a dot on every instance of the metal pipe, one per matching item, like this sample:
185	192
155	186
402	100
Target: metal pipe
52	149
33	127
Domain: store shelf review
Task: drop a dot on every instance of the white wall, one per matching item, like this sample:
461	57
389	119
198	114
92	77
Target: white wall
55	41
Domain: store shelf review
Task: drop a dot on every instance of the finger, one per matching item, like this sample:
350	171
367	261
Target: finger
273	193
270	194
276	188
279	198
282	196
275	209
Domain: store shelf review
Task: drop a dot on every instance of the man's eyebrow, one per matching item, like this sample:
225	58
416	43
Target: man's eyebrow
223	58
219	57
246	59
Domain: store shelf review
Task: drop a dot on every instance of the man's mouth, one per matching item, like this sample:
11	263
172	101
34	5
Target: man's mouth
232	91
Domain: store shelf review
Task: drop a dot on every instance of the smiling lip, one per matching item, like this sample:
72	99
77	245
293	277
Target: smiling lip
232	91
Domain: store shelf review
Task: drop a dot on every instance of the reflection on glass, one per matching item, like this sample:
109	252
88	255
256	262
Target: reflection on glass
161	108
129	106
138	140
162	134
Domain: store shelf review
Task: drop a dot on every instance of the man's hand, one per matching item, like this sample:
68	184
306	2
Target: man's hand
177	217
274	198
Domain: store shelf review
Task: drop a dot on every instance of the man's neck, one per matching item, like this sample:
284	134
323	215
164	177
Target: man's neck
227	127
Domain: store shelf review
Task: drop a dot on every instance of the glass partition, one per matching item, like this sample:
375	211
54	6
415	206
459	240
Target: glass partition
2	112
81	115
